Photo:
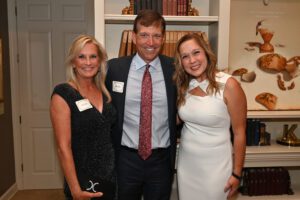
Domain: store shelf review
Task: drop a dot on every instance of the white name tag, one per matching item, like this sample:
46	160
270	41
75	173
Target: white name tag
83	104
118	86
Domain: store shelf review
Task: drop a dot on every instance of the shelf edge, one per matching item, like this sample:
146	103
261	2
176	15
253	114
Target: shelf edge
111	18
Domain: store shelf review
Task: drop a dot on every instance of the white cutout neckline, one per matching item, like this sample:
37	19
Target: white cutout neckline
202	85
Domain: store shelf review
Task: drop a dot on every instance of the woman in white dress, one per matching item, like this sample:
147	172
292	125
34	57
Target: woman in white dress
209	102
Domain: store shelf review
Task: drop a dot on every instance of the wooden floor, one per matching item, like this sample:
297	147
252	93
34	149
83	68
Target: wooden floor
53	194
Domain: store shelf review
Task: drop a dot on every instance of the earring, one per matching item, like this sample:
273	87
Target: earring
74	68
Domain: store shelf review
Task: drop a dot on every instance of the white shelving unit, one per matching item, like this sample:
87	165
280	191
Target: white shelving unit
274	114
214	19
275	155
171	20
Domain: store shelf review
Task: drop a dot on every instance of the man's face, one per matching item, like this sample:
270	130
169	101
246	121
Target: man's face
148	41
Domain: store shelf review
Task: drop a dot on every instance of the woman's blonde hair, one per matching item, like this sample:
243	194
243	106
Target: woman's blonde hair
76	46
182	79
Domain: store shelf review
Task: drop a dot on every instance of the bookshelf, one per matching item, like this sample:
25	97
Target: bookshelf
276	155
214	19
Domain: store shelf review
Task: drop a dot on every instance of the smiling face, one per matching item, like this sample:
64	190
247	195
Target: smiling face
148	41
193	59
87	62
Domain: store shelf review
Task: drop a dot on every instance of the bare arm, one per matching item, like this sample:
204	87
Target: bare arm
237	107
61	121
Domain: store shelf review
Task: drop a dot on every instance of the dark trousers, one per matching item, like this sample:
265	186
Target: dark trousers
151	178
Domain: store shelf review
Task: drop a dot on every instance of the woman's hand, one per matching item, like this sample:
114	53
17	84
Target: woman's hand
84	195
232	186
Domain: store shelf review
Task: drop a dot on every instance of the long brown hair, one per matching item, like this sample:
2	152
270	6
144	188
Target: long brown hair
182	79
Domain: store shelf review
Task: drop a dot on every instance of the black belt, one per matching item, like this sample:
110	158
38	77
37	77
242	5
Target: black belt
156	150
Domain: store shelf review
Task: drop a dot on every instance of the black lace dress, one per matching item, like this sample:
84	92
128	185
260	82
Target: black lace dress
91	144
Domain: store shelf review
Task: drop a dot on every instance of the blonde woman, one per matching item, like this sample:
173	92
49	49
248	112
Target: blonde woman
82	116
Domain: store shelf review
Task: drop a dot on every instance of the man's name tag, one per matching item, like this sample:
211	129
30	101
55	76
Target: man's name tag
118	86
83	104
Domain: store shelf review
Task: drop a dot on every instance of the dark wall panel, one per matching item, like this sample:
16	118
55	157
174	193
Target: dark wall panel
7	165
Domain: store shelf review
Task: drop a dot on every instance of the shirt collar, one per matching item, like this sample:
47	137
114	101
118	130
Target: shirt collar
139	62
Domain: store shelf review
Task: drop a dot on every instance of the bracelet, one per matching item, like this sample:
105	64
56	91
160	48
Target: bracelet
236	176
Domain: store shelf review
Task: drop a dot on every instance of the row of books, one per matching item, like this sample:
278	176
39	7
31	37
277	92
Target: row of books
256	134
165	7
266	181
127	47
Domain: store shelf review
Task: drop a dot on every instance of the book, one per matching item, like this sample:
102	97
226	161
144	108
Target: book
184	7
129	43
164	47
256	132
170	5
249	132
143	4
159	6
167	43
137	6
179	7
165	7
133	48
172	43
123	44
154	5
174	8
179	35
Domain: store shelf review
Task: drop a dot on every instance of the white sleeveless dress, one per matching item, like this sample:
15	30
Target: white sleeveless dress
204	159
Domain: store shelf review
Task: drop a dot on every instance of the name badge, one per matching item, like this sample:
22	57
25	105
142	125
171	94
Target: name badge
83	104
118	86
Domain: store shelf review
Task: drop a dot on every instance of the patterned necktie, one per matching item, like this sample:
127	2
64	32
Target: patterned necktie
146	116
